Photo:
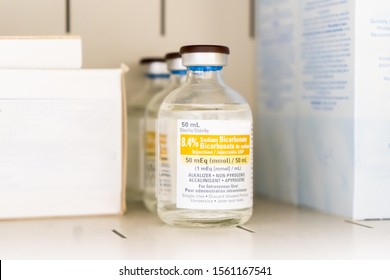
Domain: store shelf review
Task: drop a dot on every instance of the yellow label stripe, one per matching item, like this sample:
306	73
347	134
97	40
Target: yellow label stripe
214	145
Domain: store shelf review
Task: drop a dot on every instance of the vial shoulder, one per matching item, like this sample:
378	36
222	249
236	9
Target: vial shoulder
154	104
156	100
210	111
205	94
139	99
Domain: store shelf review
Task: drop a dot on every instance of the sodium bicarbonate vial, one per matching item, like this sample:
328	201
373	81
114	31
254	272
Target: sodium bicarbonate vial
205	157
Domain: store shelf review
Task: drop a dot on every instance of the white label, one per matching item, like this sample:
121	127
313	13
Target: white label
214	164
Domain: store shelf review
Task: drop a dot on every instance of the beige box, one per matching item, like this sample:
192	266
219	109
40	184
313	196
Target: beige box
62	142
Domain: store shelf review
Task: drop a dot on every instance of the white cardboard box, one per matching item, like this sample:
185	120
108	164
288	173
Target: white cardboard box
324	105
62	142
42	52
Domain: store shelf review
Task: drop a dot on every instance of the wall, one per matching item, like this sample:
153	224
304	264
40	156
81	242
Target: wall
124	30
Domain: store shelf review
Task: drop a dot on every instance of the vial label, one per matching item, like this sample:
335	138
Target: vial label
164	190
141	156
214	164
150	153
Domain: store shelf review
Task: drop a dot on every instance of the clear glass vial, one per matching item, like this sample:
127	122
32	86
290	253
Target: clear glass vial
156	78
205	162
177	79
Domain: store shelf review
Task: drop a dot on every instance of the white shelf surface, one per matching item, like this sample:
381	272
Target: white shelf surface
280	231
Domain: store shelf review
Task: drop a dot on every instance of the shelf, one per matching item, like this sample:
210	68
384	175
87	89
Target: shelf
279	231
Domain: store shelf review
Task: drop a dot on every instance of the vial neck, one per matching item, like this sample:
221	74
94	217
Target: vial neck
199	74
178	77
155	81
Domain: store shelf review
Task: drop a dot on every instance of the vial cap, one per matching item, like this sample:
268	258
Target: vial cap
147	60
172	55
174	61
204	49
154	65
204	55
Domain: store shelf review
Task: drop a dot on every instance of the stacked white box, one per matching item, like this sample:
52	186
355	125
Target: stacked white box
62	135
61	142
44	52
331	127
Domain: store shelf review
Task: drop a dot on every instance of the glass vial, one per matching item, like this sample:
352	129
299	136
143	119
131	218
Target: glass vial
205	161
177	79
156	78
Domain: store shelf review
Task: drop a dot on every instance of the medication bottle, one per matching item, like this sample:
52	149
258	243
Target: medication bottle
156	78
205	161
177	79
